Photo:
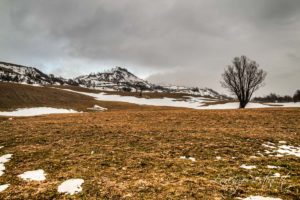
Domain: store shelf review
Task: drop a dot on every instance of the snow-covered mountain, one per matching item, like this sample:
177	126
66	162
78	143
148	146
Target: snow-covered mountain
117	79
22	74
114	79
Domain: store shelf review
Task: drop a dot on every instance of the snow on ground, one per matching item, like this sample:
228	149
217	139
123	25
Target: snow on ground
289	104
276	175
282	142
97	108
190	102
3	187
260	198
188	158
36	175
144	101
248	166
272	167
36	111
4	159
282	150
71	186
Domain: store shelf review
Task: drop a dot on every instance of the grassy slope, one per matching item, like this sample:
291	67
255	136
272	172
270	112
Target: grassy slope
136	154
15	96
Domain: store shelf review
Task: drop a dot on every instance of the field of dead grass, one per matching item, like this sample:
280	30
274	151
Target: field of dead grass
15	96
131	154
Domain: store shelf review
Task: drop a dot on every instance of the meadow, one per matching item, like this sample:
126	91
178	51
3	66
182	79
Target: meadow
154	153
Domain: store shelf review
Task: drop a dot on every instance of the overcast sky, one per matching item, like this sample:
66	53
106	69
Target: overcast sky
181	42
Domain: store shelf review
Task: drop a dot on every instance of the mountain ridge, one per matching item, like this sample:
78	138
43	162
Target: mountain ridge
116	79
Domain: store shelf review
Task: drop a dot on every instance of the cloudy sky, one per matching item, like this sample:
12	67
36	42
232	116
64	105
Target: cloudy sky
186	42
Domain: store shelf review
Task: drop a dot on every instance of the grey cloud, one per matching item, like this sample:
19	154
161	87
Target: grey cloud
184	42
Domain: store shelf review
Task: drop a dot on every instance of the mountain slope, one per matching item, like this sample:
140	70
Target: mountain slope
117	78
14	96
10	72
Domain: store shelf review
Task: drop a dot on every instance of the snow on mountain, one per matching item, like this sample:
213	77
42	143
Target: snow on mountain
117	79
22	74
193	91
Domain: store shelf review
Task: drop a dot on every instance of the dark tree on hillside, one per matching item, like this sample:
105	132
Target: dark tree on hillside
140	86
243	78
274	98
296	96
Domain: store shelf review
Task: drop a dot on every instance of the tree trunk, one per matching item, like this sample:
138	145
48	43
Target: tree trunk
243	104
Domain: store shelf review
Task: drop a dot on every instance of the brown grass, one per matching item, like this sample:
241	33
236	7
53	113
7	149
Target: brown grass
136	154
15	96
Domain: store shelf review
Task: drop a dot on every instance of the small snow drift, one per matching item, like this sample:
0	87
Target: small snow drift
71	186
97	108
272	167
248	166
3	187
188	158
260	198
281	150
25	112
4	159
36	175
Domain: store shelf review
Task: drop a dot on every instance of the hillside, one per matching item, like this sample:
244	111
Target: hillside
10	72
15	96
115	79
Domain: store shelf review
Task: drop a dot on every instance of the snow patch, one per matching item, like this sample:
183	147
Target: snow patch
260	198
36	175
3	187
276	175
4	159
248	166
272	167
36	111
188	158
71	186
283	150
282	142
97	108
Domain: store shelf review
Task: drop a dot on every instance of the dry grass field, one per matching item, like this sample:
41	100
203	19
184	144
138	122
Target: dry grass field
15	96
135	154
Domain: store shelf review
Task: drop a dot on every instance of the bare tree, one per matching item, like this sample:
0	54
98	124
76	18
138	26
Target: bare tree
243	78
141	87
296	96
